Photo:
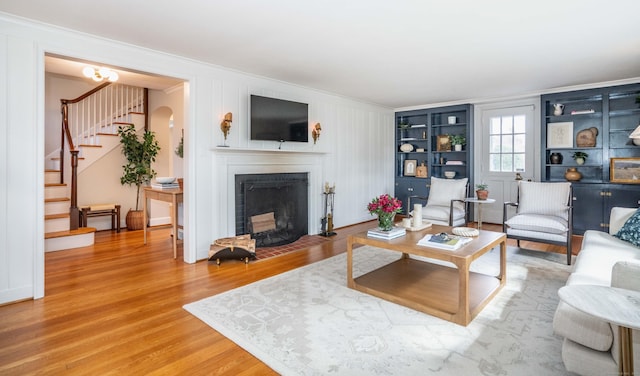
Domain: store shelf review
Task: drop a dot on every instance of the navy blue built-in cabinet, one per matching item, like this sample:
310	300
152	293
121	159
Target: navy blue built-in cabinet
420	137
614	112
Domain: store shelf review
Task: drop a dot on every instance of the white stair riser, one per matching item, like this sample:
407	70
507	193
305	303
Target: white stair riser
56	207
56	224
68	242
56	192
51	177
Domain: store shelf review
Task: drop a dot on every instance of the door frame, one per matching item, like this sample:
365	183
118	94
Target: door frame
479	145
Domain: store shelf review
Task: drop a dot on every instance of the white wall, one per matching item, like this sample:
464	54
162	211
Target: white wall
356	144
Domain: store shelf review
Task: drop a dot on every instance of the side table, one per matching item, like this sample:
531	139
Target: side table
615	305
479	202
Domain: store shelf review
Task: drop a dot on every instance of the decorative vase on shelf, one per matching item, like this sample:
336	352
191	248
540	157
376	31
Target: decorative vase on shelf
572	174
558	109
385	221
555	158
580	161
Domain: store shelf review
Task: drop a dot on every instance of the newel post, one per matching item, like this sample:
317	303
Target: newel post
74	220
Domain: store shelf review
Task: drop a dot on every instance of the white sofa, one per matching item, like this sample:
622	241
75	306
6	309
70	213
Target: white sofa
590	345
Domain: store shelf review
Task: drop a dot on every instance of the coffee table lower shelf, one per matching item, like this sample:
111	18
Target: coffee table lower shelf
429	288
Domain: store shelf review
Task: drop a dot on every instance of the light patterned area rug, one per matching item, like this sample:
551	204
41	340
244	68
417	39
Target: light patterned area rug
307	322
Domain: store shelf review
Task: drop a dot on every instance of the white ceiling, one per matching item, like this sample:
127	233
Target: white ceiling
396	53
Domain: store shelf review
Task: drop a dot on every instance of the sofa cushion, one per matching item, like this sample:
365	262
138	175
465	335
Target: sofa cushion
584	361
618	217
630	231
581	328
537	222
600	251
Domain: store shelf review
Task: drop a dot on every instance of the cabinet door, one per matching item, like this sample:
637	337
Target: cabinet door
623	196
588	208
410	187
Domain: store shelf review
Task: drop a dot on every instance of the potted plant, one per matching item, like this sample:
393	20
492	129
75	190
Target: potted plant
580	157
137	171
457	140
481	191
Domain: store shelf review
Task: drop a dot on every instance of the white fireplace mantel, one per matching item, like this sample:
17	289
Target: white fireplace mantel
229	162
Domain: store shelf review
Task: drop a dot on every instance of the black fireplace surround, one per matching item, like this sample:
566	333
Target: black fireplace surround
284	194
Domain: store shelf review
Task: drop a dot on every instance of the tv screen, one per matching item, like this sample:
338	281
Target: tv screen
279	120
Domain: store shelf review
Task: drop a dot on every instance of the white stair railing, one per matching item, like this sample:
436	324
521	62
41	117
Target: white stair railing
103	111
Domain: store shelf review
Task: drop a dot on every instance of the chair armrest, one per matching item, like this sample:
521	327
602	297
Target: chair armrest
466	210
626	275
504	213
410	206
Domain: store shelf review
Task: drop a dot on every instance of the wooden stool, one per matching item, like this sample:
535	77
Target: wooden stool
240	247
99	210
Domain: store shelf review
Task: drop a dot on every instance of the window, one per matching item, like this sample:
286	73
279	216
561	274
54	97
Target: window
507	143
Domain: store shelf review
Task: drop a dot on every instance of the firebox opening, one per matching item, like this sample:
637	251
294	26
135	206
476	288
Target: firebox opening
272	208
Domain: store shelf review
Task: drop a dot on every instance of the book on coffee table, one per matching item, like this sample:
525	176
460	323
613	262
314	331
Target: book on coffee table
444	241
395	232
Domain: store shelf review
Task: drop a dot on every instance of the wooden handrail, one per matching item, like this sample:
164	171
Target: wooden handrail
85	95
74	219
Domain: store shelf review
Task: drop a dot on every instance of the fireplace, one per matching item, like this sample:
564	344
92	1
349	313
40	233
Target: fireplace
273	208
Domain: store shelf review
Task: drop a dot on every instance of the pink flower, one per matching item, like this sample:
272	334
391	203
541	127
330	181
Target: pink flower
384	204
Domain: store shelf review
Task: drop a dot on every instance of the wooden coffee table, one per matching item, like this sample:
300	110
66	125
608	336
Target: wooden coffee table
450	293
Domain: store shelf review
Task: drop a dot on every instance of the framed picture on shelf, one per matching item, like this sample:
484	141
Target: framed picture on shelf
443	143
624	170
421	171
410	167
560	135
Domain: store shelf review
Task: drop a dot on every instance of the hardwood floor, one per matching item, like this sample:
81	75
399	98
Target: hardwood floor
116	308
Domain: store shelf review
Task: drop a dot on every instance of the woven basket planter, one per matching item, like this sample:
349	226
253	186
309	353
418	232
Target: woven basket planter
135	220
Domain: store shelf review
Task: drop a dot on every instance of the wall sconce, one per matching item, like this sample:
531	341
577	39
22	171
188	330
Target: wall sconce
225	126
315	133
99	74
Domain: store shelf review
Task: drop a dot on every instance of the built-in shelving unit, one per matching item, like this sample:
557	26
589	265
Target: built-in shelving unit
417	135
614	112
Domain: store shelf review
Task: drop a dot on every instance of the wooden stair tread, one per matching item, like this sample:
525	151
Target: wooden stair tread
90	146
51	170
122	122
107	134
79	231
55	185
57	199
58	158
56	216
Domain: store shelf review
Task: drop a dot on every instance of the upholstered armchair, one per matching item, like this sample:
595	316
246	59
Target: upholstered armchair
544	214
446	203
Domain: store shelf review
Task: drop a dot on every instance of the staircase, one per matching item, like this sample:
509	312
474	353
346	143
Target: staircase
92	125
57	235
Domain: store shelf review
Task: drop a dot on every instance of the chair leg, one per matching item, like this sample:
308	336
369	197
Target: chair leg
569	250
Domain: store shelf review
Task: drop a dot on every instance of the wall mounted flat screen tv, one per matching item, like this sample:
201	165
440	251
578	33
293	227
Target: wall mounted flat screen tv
278	120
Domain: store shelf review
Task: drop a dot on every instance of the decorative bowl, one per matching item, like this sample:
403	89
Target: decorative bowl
165	179
449	174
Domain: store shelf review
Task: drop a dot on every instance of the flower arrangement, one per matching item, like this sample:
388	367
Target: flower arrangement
385	207
384	204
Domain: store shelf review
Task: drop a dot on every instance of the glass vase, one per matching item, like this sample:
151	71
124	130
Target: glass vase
385	221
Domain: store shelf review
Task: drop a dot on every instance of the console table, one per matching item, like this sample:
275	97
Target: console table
615	305
174	196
